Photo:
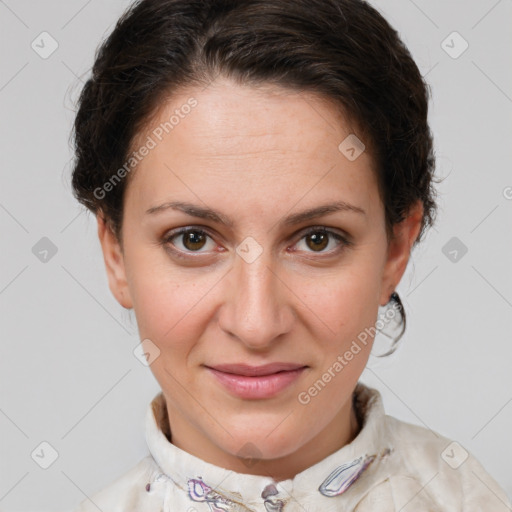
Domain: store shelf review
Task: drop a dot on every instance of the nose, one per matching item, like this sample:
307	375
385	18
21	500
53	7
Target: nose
257	308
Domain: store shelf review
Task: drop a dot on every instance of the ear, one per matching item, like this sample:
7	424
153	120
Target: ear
114	263
405	234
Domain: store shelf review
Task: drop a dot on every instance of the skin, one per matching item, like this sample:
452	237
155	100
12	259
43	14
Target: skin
257	155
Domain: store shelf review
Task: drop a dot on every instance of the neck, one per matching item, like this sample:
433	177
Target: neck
343	428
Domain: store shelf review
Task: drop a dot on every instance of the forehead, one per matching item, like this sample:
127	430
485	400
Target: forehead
223	113
254	140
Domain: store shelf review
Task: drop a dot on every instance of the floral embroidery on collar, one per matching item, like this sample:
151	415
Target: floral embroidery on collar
199	491
335	484
271	504
344	476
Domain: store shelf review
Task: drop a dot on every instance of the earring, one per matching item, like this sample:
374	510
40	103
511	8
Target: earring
391	323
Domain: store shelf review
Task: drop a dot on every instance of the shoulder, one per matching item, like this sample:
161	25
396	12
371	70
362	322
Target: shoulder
127	492
434	471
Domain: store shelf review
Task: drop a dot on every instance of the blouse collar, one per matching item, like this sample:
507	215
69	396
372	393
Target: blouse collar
349	472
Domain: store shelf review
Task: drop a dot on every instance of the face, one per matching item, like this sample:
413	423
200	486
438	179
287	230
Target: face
250	239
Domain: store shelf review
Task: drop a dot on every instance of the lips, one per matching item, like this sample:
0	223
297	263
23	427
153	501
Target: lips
256	371
256	382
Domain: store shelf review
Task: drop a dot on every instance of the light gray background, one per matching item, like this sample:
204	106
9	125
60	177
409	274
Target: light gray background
67	372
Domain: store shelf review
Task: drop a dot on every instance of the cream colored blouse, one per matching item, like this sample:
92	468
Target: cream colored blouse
390	466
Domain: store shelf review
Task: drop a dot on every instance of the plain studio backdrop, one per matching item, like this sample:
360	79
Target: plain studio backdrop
74	396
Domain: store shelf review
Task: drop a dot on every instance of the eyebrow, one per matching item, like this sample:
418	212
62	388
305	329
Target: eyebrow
207	213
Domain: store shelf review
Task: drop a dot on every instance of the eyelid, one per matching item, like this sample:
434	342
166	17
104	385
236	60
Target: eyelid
179	232
341	236
327	229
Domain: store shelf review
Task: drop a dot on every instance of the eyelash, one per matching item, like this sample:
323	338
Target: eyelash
343	241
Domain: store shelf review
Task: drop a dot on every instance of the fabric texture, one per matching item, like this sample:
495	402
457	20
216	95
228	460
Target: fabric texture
390	466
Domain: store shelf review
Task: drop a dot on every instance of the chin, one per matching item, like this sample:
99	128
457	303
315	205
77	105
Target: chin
261	441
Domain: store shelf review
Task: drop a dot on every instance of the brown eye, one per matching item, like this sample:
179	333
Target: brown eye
188	240
319	240
193	240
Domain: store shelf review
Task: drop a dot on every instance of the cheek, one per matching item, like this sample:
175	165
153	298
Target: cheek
346	302
347	306
164	310
167	303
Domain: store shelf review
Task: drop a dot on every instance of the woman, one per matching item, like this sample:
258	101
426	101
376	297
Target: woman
260	172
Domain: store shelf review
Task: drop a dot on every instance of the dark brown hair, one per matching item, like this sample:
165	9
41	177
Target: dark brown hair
344	50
